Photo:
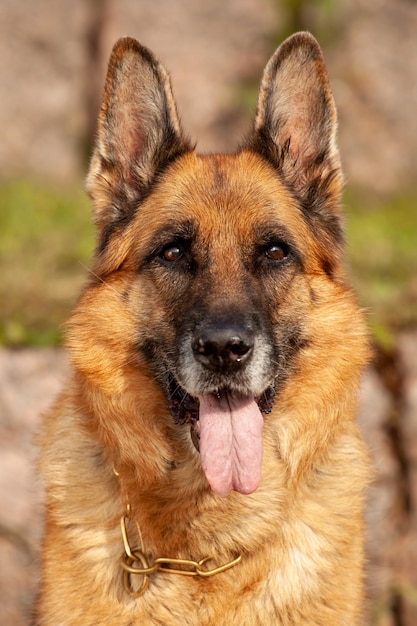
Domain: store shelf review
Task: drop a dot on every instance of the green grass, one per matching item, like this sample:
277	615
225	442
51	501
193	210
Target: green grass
382	254
46	240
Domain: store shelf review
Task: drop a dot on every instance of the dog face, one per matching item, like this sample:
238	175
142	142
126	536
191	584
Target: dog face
216	261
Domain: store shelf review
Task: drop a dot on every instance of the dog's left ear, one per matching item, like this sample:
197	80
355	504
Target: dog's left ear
139	134
295	124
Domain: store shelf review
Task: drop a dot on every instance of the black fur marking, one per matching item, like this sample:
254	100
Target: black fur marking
123	211
314	197
315	203
123	217
184	408
147	350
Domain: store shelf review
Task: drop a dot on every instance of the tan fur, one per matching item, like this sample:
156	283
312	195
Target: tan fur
300	533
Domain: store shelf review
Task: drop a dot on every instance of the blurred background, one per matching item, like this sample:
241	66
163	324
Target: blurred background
53	56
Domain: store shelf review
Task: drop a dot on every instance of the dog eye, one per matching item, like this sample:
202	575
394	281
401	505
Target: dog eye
277	251
172	253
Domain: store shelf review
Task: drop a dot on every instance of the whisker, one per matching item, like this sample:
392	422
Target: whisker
99	277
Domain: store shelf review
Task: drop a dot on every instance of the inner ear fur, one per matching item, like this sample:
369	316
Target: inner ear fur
138	135
295	124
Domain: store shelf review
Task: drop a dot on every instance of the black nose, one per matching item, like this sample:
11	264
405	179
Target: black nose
223	346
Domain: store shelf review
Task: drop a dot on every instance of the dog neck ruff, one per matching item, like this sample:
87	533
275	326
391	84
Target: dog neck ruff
134	562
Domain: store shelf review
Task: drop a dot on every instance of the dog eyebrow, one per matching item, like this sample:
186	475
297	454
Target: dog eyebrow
176	228
271	230
172	230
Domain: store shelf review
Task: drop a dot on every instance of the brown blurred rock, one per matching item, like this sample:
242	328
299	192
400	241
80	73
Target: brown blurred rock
407	566
384	510
29	379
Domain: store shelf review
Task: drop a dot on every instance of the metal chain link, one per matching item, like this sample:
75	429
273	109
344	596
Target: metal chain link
183	567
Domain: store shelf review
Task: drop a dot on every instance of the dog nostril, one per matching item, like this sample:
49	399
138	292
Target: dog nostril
237	349
219	347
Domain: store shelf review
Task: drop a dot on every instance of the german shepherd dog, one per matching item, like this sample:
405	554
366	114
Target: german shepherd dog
202	464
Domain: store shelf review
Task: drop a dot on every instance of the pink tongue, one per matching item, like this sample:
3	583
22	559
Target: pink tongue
231	442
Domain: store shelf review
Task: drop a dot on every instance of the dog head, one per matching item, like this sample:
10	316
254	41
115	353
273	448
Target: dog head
214	262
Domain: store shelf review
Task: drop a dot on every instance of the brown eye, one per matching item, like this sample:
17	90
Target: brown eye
276	252
172	253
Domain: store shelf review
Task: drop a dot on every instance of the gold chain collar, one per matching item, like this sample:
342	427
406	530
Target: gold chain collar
134	562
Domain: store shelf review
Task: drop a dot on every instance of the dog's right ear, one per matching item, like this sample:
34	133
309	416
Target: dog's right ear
139	134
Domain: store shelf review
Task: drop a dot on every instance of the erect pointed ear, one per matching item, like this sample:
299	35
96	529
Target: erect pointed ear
138	135
295	124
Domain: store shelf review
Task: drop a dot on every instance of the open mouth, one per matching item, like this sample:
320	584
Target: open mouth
226	428
185	408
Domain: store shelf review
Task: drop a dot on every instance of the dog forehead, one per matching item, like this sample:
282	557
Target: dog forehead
238	193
